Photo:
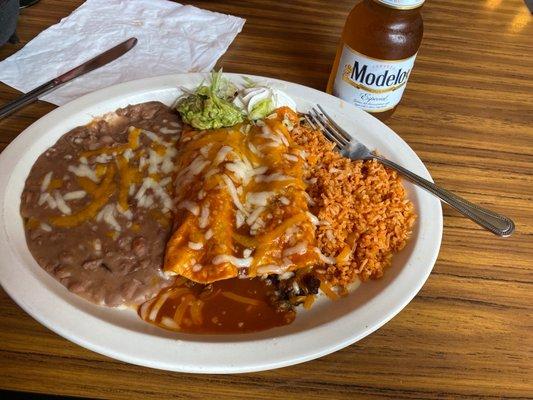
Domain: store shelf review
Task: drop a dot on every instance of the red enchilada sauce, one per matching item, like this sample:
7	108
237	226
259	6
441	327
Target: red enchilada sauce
227	306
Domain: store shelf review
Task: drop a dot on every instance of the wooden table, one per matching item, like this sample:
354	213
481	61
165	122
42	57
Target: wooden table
468	113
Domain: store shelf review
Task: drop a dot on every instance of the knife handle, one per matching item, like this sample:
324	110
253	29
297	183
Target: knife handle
27	98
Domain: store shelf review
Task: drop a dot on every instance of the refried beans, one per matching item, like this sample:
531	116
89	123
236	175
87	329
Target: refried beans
97	208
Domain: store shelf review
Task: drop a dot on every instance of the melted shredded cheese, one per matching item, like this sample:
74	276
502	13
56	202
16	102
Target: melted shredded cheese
259	198
167	131
221	155
314	220
300	248
254	215
238	262
233	193
61	204
192	207
46	181
83	170
74	195
276	177
203	221
271	269
325	259
107	214
196	245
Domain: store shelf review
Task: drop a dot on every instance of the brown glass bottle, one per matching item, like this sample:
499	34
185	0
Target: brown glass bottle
376	54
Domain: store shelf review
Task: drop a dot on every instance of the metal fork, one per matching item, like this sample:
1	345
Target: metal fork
351	148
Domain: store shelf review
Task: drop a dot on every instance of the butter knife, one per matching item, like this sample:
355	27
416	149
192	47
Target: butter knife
100	60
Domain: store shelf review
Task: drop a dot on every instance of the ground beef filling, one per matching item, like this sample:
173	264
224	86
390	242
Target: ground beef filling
96	205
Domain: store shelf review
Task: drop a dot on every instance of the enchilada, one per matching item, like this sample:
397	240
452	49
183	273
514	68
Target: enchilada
241	206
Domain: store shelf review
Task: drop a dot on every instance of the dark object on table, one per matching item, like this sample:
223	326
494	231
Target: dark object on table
27	3
9	13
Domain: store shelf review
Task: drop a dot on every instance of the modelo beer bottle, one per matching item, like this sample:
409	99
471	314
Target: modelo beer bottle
376	54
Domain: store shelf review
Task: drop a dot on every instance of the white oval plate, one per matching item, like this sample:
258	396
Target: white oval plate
327	327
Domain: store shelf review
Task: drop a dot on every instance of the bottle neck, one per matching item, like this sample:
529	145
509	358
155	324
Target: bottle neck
401	4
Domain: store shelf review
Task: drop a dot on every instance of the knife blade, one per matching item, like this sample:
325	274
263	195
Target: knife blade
100	60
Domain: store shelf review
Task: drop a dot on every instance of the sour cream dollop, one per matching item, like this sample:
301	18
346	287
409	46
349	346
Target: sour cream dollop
259	101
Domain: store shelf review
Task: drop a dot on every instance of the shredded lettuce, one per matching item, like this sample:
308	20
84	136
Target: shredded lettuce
261	109
248	82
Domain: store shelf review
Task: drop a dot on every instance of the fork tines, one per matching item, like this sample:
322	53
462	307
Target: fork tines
319	119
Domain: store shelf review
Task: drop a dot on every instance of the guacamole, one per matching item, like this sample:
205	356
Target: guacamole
209	107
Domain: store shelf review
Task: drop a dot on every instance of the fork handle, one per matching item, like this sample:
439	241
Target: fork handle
496	223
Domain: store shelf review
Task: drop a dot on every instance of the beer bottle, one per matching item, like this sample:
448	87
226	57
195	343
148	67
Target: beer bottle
376	54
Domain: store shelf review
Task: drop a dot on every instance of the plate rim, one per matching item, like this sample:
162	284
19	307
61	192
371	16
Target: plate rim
10	153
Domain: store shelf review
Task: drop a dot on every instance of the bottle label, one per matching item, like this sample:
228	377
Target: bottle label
402	4
371	84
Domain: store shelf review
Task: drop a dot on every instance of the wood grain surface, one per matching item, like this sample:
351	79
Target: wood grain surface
468	113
